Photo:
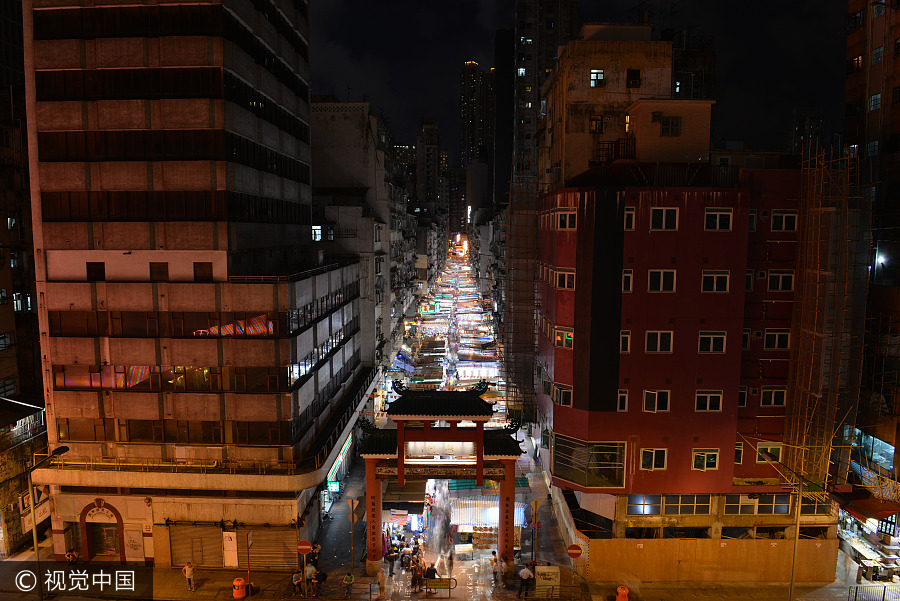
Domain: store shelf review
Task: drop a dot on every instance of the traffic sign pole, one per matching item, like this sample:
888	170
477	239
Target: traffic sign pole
352	503
303	547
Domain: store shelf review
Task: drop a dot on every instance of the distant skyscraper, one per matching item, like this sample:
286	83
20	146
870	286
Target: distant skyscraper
504	103
428	162
541	27
476	114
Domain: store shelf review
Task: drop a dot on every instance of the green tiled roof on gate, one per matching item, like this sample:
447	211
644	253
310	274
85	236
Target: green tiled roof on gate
497	443
441	403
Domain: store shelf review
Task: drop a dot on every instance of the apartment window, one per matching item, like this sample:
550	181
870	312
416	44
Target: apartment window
562	395
627	124
653	459
627	280
687	504
565	279
874	102
751	222
316	233
625	341
718	220
708	400
662	218
855	64
877	55
777	340
96	272
773	396
14	262
6	341
595	126
712	342
644	505
8	387
521	71
878	9
781	280
591	464
748	281
4	298
772	448
742	396
738	453
563	338
203	271
159	272
745	339
784	220
629	218
622	402
656	401
714	281
597	79
661	280
872	148
632	78
705	459
566	221
670	126
658	342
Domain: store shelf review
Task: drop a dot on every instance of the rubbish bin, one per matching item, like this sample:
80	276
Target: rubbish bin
622	593
239	588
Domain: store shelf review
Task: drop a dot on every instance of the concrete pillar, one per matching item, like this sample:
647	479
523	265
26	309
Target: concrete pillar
374	547
507	535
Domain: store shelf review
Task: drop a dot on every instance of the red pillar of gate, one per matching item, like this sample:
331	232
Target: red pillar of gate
373	520
401	452
479	455
507	538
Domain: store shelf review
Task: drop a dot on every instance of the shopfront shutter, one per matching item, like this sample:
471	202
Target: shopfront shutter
272	548
201	545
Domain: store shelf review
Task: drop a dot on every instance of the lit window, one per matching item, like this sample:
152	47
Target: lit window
705	459
625	341
663	218
712	342
714	281
597	80
521	71
855	63
661	280
316	233
781	280
773	396
622	403
596	124
718	220
644	504
658	342
627	124
656	400
653	459
708	400
777	339
784	220
563	338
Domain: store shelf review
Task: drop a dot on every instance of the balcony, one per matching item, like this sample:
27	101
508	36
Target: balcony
608	152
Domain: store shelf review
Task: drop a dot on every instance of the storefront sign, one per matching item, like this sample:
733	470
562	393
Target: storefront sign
460	450
334	486
43	512
100	514
332	473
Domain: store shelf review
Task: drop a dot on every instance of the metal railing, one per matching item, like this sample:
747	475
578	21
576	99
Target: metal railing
874	592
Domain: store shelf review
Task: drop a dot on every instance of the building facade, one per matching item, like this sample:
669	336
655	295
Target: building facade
201	360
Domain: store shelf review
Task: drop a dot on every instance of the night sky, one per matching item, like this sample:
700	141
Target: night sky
404	57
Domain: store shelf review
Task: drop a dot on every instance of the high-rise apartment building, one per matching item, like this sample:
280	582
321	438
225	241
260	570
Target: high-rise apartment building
541	27
428	164
200	358
476	114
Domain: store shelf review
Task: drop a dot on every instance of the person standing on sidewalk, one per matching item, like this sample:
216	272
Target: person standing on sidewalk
495	565
188	571
392	557
297	582
310	575
525	578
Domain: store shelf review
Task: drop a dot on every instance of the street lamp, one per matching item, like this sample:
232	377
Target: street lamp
37	558
772	460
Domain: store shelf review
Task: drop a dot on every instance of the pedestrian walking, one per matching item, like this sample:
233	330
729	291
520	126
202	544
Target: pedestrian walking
392	557
418	573
525	578
297	582
188	571
450	564
495	565
347	584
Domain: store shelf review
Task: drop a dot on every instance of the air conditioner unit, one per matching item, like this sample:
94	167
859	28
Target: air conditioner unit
656	116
